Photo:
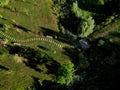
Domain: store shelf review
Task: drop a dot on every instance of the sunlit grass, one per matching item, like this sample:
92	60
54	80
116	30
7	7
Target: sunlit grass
30	14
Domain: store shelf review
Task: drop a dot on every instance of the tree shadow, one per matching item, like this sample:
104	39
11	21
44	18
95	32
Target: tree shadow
47	85
52	66
1	25
60	37
4	68
102	11
105	65
36	84
108	77
103	70
35	58
17	26
21	27
87	5
73	53
115	34
41	47
70	22
48	31
111	7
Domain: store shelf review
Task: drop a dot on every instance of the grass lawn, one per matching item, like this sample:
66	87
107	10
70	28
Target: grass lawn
25	19
19	75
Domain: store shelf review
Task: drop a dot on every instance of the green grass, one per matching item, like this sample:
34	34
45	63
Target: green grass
30	14
18	75
38	15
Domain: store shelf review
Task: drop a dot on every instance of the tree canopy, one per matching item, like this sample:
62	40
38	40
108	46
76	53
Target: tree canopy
65	73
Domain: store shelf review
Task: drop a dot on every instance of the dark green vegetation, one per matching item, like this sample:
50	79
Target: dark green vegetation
61	63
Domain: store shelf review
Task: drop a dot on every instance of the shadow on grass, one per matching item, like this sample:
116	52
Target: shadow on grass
70	22
52	67
73	53
88	5
1	25
50	32
22	28
103	69
4	68
34	57
57	35
41	47
104	65
47	85
36	84
101	11
16	25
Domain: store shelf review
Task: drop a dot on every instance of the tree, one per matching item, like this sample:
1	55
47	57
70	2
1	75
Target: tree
86	25
80	13
65	74
4	2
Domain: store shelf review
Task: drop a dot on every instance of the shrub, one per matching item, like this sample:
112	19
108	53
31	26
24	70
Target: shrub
4	3
26	11
80	13
5	27
101	42
65	72
86	27
87	22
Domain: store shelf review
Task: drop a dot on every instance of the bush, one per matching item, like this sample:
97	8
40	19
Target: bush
64	75
5	27
101	42
87	22
4	3
80	13
86	27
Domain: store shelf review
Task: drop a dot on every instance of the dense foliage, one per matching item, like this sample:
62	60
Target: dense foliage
86	25
4	2
65	74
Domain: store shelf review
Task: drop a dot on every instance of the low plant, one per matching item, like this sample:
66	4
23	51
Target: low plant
4	3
